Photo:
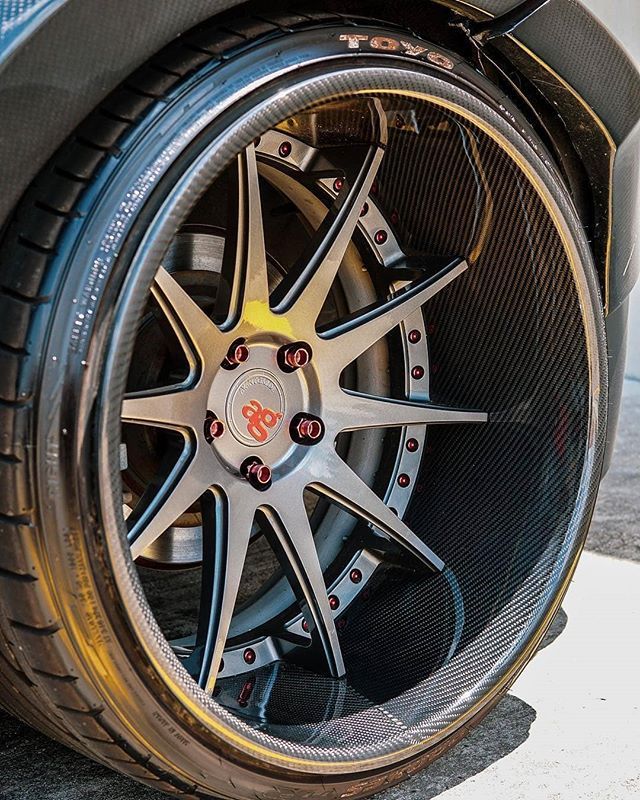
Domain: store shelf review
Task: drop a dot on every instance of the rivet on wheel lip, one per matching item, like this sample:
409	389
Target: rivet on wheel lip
412	445
417	373
404	480
414	336
285	149
334	602
381	236
249	656
355	576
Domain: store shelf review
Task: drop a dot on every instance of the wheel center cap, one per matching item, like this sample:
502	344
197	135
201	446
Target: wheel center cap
255	407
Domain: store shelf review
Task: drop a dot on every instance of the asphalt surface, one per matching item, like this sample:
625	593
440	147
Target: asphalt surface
569	729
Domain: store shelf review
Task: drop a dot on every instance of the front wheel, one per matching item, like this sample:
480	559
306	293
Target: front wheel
302	392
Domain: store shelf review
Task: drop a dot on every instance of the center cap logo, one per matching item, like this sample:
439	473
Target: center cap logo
255	407
260	419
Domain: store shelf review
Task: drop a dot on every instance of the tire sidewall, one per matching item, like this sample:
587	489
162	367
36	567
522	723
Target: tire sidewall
88	279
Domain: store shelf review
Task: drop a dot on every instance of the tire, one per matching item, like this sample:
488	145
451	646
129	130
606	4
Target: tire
450	606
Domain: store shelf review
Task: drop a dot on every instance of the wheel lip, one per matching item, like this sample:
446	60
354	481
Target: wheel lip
598	398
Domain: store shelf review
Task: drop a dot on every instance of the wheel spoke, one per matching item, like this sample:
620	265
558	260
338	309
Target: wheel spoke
341	485
304	289
300	561
170	407
355	334
226	536
196	333
357	411
163	503
244	288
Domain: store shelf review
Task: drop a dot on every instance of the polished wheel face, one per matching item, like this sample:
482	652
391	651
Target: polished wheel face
351	442
262	407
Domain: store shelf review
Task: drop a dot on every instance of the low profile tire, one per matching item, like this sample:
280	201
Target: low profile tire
302	406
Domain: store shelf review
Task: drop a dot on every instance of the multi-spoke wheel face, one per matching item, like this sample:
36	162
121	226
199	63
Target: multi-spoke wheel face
355	420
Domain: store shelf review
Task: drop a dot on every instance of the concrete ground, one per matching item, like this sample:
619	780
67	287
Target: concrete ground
569	729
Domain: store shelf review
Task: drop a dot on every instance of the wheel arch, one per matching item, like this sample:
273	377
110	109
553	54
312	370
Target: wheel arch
57	64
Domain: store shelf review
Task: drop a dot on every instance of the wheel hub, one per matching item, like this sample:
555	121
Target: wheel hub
259	399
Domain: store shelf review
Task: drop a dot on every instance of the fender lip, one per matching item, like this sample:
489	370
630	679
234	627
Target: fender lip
569	40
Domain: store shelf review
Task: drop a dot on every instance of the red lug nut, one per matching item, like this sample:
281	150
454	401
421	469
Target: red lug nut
417	373
309	429
334	602
258	474
355	576
414	336
285	149
412	445
338	184
404	480
249	656
294	356
238	354
216	428
306	429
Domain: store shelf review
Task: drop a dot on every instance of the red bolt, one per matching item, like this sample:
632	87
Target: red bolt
334	602
249	655
309	429
355	576
338	184
417	373
216	428
296	355
381	237
365	210
414	336
412	445
305	626
238	354
257	473
285	149
404	480
262	473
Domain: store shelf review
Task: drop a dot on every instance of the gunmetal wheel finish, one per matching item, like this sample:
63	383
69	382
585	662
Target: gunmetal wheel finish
335	349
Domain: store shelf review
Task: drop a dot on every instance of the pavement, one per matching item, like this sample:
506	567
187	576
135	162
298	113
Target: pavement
568	730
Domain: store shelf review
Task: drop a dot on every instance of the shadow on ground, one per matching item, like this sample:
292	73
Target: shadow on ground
33	767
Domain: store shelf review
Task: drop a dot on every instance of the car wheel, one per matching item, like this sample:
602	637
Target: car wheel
302	391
